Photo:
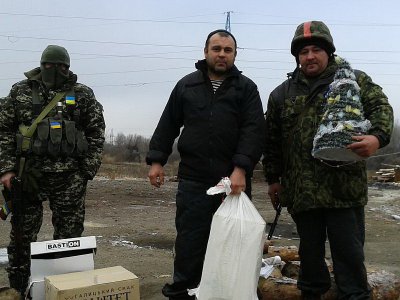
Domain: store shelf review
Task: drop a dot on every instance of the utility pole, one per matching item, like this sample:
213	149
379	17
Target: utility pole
228	21
112	137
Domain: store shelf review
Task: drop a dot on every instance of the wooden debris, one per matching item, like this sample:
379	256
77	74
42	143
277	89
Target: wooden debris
278	288
282	283
387	175
291	269
288	253
267	244
384	285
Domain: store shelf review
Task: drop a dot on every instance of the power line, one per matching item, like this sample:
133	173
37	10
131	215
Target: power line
169	20
134	84
140	84
110	19
179	68
170	45
285	50
94	41
136	71
97	18
98	54
332	22
117	72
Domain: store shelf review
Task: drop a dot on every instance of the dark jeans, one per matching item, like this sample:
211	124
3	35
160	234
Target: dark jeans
194	212
345	230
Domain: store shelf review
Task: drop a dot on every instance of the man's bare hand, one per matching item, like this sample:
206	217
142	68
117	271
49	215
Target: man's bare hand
274	191
156	175
5	179
238	180
365	145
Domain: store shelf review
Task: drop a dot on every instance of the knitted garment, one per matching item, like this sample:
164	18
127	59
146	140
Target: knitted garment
344	115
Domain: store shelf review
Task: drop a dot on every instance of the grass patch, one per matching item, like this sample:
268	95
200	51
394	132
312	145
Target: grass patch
114	170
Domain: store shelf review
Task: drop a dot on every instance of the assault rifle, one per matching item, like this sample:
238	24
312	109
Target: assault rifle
13	202
17	219
7	207
273	224
17	203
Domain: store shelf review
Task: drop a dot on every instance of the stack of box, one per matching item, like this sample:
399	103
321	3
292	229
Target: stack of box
108	283
59	257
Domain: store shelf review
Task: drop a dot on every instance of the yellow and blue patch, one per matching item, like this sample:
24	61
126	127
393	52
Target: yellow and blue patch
55	125
6	209
70	100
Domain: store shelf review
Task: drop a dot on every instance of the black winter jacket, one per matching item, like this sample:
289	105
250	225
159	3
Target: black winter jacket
220	130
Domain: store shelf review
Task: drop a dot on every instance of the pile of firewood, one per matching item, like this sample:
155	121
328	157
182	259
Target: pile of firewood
282	283
385	175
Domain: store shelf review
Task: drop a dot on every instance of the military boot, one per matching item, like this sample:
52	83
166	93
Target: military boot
18	282
10	293
176	292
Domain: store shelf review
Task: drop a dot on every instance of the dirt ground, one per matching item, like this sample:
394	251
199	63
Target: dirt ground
134	227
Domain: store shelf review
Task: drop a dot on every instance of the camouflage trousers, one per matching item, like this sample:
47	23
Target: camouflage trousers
66	195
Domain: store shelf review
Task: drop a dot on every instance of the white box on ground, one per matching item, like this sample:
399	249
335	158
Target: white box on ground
58	257
107	283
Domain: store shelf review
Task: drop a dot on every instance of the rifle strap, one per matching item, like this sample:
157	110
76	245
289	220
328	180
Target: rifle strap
27	132
21	166
31	129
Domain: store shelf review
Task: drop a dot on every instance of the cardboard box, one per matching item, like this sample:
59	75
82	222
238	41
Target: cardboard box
108	283
58	257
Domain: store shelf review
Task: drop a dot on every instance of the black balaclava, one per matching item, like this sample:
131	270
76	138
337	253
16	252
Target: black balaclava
54	77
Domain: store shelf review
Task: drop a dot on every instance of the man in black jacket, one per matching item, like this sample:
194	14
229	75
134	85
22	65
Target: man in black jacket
222	118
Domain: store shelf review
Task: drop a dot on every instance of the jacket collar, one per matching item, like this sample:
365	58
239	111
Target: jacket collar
201	65
35	75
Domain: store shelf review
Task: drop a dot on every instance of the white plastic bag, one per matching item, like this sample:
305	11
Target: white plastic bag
234	251
268	265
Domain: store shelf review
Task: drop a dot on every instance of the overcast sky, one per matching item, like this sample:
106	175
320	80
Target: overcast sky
132	53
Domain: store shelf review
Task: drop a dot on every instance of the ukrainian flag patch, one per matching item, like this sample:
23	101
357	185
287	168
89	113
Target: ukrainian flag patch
55	125
70	100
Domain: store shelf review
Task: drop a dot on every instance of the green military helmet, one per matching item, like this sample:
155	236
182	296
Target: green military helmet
56	55
312	33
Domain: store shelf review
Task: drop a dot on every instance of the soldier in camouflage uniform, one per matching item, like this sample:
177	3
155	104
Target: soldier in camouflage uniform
324	199
62	155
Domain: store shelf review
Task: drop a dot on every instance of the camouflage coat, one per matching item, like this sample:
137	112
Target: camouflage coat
294	112
17	109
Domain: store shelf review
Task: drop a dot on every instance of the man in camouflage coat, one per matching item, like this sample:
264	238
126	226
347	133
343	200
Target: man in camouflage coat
64	153
324	199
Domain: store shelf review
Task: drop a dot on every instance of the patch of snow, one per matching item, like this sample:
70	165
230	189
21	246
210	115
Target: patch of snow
3	256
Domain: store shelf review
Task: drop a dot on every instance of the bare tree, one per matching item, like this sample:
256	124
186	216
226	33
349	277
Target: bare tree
133	148
127	148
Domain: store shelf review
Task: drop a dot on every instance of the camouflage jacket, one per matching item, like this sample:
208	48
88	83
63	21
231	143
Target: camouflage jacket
294	112
17	109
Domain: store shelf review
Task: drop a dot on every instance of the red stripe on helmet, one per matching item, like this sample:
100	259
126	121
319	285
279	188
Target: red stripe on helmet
307	29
